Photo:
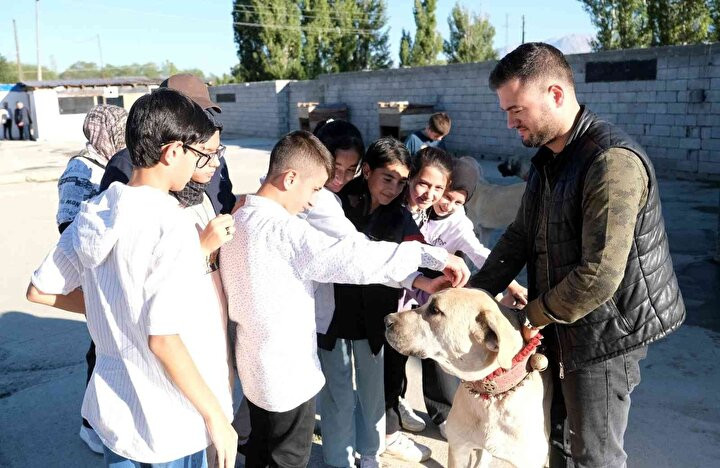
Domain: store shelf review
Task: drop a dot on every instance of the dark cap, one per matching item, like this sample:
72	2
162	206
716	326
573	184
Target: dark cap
465	175
193	87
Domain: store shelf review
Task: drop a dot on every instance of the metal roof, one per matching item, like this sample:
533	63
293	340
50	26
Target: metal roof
86	82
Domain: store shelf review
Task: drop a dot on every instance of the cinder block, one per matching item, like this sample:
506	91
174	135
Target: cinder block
677	85
712	144
659	130
691	143
677	108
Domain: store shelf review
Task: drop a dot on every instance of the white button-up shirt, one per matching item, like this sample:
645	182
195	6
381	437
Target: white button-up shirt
268	269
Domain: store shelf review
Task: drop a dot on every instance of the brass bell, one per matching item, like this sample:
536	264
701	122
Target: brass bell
538	362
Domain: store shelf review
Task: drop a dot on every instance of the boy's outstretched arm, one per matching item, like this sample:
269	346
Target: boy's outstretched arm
173	355
72	302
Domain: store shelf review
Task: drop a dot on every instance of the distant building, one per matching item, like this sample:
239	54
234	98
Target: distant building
58	107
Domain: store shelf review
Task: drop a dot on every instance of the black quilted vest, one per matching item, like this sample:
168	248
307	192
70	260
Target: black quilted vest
648	304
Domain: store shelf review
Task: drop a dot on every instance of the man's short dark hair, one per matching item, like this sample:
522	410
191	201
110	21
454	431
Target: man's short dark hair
440	123
529	62
162	117
301	151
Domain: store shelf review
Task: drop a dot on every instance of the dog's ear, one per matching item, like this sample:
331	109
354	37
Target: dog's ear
503	335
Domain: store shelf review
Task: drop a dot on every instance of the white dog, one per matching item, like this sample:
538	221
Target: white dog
500	414
493	206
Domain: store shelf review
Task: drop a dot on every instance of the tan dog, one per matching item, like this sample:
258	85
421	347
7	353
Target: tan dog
470	335
493	206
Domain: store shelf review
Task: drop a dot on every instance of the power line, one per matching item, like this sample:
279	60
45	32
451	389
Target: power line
250	9
306	28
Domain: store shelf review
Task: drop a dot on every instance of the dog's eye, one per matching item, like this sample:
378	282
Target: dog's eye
433	310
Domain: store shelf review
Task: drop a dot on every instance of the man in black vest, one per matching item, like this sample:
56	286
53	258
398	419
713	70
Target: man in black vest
591	232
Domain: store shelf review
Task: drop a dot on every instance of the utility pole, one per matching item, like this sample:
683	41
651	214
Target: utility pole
523	30
17	53
102	67
37	39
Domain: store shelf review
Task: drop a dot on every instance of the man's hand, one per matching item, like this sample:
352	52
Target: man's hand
225	440
518	293
456	271
529	333
218	231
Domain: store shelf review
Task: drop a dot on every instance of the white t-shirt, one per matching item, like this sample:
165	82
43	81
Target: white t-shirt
138	260
456	233
268	271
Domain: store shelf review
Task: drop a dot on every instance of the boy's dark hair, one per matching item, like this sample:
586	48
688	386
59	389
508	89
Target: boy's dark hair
435	157
162	117
301	151
529	62
440	123
340	135
385	151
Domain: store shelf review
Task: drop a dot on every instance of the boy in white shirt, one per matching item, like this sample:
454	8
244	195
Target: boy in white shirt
159	391
268	270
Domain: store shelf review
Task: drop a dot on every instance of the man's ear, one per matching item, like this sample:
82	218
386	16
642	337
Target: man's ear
289	179
558	94
500	340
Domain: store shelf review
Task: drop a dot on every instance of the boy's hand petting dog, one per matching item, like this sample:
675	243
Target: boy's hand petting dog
225	440
431	286
456	271
218	231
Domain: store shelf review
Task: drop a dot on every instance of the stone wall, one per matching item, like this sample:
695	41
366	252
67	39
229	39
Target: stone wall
676	115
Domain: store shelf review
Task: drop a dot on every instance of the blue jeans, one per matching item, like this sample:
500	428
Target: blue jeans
597	404
351	420
196	460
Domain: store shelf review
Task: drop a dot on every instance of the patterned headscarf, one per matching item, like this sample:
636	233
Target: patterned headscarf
104	128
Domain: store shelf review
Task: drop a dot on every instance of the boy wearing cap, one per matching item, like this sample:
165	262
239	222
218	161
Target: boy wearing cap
131	261
437	128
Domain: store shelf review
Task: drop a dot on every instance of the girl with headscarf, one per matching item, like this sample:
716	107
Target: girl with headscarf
104	128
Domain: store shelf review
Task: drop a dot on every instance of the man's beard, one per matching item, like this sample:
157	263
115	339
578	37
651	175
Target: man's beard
542	135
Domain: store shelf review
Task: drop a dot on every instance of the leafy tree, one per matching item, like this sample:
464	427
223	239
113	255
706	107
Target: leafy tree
405	48
7	71
318	38
428	43
621	24
679	21
471	37
247	39
714	6
373	51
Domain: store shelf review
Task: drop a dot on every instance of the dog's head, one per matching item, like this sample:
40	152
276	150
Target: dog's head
464	330
518	167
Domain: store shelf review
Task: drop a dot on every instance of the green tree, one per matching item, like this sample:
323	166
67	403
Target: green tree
621	24
675	22
373	51
248	42
471	37
405	48
318	38
428	43
715	16
8	73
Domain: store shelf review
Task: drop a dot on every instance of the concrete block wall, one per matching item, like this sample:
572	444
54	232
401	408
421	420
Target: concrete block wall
260	109
676	117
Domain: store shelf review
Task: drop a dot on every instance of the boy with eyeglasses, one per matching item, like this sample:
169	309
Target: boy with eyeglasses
131	261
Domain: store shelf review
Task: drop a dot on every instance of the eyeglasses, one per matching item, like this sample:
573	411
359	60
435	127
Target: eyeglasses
205	158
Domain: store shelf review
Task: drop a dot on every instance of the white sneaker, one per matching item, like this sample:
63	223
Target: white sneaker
406	449
369	461
90	437
408	419
442	430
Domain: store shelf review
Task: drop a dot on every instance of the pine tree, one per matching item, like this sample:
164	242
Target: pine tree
715	15
405	48
373	51
471	37
247	39
428	42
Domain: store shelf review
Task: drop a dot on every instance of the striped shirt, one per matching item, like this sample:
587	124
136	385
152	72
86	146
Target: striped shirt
137	258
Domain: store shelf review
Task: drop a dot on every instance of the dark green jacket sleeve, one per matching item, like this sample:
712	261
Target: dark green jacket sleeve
615	189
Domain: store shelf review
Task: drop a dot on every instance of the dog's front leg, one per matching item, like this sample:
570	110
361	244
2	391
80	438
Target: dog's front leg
465	456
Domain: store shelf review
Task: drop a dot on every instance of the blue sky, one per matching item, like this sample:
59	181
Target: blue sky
199	34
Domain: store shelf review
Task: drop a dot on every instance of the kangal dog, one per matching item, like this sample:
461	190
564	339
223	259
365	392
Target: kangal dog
493	206
500	413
